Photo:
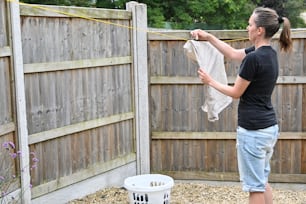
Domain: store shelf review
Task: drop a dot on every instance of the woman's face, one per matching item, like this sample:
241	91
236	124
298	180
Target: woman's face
252	29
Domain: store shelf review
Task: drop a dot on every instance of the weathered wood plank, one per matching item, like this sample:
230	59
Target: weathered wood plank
217	135
71	11
227	35
78	64
33	95
304	109
303	157
64	157
48	100
70	129
159	34
93	170
7	128
4	22
155	80
229	176
5	51
6	92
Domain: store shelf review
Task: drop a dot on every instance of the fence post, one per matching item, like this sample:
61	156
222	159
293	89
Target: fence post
22	130
139	46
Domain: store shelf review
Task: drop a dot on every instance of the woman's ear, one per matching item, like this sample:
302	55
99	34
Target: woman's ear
260	30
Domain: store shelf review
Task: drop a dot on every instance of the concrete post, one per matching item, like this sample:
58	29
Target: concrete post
22	130
140	64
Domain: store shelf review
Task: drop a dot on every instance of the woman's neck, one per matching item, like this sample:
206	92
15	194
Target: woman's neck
262	42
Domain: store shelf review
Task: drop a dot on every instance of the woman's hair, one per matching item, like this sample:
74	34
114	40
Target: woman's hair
271	21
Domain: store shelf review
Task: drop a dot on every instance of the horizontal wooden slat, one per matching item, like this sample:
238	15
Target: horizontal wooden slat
193	135
7	128
77	64
156	34
231	176
70	129
217	135
159	34
71	11
227	35
291	80
195	80
5	51
91	171
175	80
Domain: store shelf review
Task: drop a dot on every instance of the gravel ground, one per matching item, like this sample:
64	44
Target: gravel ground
202	193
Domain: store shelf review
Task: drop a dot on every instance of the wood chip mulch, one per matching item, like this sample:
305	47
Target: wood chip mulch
196	193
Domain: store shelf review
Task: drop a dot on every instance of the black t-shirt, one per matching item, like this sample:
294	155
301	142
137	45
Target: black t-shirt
260	67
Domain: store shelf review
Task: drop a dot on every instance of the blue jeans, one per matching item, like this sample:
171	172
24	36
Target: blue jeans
254	151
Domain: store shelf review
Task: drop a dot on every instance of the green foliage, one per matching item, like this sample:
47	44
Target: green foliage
190	14
294	8
288	8
227	14
118	4
156	18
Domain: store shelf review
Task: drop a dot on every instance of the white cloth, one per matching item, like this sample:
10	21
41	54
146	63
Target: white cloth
212	61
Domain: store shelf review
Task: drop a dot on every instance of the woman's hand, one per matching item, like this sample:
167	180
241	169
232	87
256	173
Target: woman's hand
204	76
199	34
235	91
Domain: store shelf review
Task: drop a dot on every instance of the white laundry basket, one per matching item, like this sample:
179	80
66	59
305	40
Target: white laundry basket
149	189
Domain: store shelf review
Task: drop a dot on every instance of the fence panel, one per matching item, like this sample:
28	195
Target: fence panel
79	92
8	166
186	145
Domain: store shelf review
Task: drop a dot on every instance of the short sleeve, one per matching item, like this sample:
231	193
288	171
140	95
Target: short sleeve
248	67
249	49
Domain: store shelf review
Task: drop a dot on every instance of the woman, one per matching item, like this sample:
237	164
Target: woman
257	129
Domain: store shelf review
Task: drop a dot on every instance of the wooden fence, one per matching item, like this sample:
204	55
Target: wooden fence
12	107
186	145
80	71
7	116
78	88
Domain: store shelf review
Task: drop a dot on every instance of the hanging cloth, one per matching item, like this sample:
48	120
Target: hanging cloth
212	61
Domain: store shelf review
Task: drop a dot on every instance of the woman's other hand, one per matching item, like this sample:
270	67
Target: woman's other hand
204	76
199	34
